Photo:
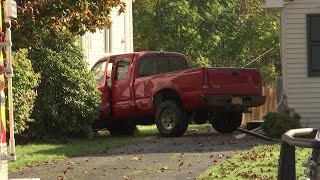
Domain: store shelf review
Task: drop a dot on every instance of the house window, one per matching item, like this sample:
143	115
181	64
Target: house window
313	41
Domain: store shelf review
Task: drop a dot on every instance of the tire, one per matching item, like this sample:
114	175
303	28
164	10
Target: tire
122	128
227	122
171	119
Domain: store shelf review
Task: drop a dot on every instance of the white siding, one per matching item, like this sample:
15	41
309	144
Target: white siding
93	46
118	41
303	92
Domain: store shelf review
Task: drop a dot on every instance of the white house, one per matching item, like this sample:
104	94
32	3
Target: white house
300	50
116	40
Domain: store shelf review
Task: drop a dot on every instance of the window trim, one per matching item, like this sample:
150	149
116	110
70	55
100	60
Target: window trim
311	73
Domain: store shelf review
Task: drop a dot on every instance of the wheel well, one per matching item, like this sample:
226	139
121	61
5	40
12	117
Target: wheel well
164	95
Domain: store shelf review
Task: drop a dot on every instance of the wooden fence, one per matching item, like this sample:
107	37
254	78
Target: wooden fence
269	106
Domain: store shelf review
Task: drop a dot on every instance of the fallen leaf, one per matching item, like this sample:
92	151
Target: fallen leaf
164	168
71	163
126	178
181	164
211	156
137	158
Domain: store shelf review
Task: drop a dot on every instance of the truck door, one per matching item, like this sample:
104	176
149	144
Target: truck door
102	79
122	96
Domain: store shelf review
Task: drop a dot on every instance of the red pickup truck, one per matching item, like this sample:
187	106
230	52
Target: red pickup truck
160	88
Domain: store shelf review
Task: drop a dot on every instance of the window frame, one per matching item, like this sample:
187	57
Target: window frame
310	44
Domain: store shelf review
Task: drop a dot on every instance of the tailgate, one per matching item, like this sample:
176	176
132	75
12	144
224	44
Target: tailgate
234	81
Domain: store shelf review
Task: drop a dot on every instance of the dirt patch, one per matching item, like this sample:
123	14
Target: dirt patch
185	157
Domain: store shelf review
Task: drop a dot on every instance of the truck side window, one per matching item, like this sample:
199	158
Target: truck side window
123	68
177	63
99	70
147	66
163	64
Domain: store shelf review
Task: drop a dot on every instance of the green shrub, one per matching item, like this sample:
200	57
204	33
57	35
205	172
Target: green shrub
25	81
275	123
68	99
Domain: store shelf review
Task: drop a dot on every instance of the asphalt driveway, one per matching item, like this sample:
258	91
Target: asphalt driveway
185	157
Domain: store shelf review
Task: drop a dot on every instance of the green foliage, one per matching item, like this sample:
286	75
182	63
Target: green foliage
76	16
212	33
68	100
25	81
275	124
260	162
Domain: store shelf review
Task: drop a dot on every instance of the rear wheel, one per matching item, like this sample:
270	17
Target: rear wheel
171	119
227	122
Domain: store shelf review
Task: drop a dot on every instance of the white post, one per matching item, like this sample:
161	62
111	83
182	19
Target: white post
10	11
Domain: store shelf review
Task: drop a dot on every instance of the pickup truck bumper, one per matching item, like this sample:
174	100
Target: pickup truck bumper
227	100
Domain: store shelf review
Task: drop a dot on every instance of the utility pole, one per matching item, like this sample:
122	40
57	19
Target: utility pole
10	12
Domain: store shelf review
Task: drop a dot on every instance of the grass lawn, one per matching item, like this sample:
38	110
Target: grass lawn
260	162
37	153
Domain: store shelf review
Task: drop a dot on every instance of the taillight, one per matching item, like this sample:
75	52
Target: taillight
205	80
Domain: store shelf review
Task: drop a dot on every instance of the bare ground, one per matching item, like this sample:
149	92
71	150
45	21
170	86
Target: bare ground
185	157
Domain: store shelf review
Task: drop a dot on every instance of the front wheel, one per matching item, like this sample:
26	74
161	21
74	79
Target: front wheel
227	122
170	119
